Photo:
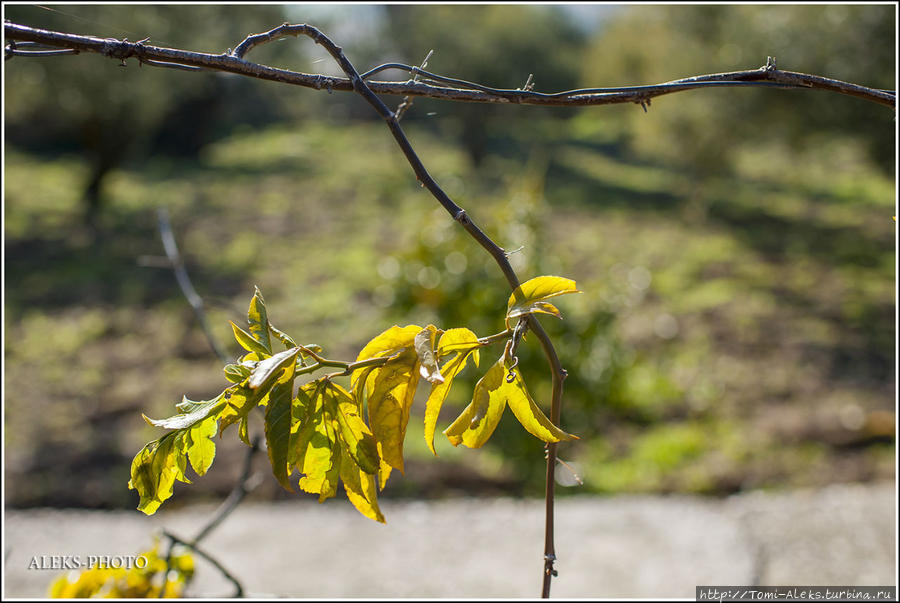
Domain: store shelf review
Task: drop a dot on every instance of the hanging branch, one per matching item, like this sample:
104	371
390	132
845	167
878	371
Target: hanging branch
246	483
176	262
232	62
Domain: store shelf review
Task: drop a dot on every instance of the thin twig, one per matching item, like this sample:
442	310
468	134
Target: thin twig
234	62
408	100
184	281
238	588
238	493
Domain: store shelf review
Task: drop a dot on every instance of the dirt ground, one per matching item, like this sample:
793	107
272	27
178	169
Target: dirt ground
620	546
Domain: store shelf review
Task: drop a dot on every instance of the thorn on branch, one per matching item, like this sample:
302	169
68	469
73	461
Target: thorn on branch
407	100
529	83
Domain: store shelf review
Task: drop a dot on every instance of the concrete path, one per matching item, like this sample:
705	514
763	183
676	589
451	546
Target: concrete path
607	547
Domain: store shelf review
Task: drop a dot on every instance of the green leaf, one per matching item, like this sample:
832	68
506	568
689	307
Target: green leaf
333	475
360	489
199	445
187	406
268	368
155	469
278	417
317	456
428	364
247	342
354	433
239	401
531	296
199	411
462	343
236	373
258	321
480	418
530	415
303	408
283	337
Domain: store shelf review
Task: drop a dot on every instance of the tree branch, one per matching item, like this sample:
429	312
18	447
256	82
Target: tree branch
184	282
233	62
245	484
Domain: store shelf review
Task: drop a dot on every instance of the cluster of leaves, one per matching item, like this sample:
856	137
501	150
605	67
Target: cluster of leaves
157	577
330	434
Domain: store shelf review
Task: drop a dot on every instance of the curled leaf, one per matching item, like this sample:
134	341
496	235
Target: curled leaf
535	308
493	392
259	321
428	364
283	337
236	373
269	367
461	343
530	415
531	296
247	341
198	411
478	421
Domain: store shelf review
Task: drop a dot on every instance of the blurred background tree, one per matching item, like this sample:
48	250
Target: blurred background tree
734	245
113	116
705	135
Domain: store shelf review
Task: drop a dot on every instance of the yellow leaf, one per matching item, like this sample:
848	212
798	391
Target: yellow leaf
303	407
390	342
155	469
332	476
317	458
462	342
360	489
384	472
536	307
389	400
530	296
480	418
248	342
358	440
199	445
239	401
454	341
279	416
530	415
259	321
